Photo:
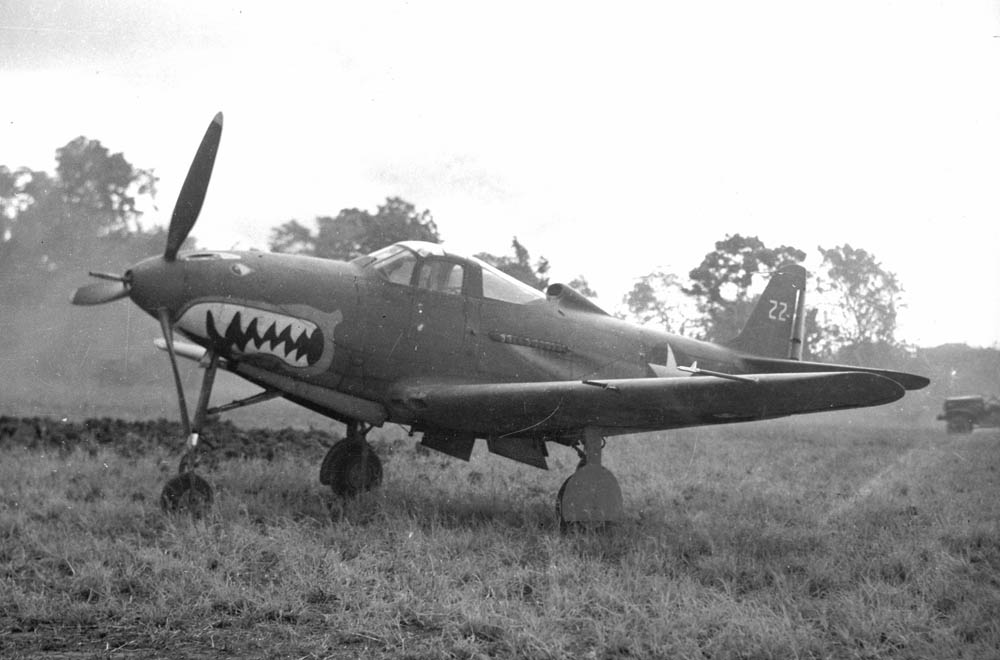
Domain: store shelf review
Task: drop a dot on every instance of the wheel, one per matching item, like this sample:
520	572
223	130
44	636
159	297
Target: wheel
960	424
590	499
186	493
331	458
563	525
351	467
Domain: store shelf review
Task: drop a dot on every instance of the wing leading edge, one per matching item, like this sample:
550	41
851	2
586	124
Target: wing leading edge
497	409
764	365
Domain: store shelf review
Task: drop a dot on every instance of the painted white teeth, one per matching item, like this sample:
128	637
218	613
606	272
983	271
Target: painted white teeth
225	313
263	340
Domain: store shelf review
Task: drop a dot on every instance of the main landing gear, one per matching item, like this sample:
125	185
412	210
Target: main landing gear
591	496
351	466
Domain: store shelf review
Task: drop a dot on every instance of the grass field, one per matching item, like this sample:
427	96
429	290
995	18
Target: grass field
786	539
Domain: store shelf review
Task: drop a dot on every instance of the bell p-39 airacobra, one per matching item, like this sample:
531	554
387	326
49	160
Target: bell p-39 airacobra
457	350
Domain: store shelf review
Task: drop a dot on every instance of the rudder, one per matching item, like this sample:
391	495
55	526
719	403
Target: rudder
775	326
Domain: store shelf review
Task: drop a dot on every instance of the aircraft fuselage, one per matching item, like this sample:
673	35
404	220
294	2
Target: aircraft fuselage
364	340
342	327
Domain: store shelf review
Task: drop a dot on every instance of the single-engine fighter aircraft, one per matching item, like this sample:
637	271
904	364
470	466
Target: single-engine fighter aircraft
456	350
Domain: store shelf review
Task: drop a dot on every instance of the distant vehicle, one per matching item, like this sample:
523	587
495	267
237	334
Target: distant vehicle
963	413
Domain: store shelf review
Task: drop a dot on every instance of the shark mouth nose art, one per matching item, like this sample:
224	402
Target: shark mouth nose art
251	331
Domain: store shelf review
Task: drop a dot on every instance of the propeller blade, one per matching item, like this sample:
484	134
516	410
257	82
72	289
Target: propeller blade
192	194
100	292
108	276
168	335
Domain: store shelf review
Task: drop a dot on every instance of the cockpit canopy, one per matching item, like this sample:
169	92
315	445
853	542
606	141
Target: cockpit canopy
429	266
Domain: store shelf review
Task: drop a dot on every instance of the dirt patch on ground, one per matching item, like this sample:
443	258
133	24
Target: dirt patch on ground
221	440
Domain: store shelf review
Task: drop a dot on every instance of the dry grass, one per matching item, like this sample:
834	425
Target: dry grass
776	540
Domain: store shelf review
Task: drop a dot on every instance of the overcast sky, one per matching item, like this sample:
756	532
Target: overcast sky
613	140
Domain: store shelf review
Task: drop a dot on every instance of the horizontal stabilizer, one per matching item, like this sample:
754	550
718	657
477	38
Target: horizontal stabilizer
763	365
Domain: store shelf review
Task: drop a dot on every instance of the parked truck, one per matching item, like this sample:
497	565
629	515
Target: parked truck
963	413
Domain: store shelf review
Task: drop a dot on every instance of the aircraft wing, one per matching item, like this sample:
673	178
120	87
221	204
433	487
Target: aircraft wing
765	365
496	409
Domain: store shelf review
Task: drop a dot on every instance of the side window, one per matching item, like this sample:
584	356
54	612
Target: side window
398	268
443	276
499	286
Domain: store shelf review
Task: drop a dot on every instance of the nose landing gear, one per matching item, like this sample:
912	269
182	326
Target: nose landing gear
188	492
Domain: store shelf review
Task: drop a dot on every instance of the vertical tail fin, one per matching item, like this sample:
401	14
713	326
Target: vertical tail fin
776	323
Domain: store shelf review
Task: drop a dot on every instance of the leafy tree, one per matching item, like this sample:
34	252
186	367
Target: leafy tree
721	283
295	237
519	266
815	345
659	298
36	220
86	212
582	286
104	184
354	232
8	193
863	298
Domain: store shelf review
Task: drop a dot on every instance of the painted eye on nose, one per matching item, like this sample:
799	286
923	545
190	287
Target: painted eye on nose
241	269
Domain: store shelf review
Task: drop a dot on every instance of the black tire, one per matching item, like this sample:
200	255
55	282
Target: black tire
186	493
559	500
350	468
564	526
567	527
331	458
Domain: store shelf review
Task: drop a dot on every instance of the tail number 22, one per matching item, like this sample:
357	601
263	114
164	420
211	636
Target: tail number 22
778	311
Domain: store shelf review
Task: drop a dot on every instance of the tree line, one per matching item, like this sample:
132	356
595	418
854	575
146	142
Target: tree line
85	214
354	232
89	211
851	308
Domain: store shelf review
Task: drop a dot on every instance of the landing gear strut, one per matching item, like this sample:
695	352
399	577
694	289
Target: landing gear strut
187	491
591	496
351	466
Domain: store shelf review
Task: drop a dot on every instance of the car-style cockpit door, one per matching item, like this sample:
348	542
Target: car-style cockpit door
444	318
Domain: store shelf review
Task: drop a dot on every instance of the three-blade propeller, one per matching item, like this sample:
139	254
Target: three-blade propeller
186	210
